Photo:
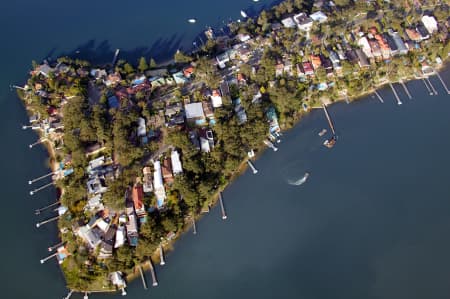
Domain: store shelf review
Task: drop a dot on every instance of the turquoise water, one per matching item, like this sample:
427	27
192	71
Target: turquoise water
370	222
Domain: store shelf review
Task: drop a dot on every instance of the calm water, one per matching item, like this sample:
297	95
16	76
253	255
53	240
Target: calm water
371	221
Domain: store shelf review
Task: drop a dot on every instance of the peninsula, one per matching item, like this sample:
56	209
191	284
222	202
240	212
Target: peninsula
139	151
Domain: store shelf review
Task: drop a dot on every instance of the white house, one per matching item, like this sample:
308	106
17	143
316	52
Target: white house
216	99
158	185
304	22
430	24
288	22
318	16
194	112
176	163
365	46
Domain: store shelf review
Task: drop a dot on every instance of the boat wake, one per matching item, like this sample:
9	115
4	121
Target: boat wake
299	181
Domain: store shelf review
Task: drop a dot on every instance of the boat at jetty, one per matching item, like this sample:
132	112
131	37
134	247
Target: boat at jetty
331	141
192	21
270	144
244	14
300	181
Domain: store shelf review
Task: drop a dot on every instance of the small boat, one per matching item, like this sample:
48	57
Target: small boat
243	14
255	0
321	133
300	181
330	142
192	21
270	144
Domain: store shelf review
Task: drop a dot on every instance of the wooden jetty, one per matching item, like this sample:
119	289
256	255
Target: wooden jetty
40	178
68	295
144	283
161	256
222	207
152	272
442	82
432	87
379	96
194	228
51	248
403	84
41	188
331	141
48	257
116	54
38	211
39	224
395	94
428	88
255	171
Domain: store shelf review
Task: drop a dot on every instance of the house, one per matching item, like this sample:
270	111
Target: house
288	22
318	16
326	63
90	237
112	79
98	73
132	229
204	145
147	181
194	113
158	185
120	237
365	46
413	34
63	253
172	110
391	44
156	73
137	196
424	34
279	68
240	111
315	61
216	98
222	59
96	185
188	71
208	109
300	72
106	250
362	59
166	170
303	22
334	57
308	68
44	70
402	49
430	23
375	47
94	204
224	89
243	37
141	130
179	78
385	50
176	163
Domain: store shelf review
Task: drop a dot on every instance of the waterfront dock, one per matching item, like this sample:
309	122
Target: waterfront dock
379	96
41	188
428	88
38	211
144	282
116	54
194	228
40	178
442	82
255	171
37	142
403	84
222	207
431	85
152	272
51	248
161	256
395	94
48	257
39	224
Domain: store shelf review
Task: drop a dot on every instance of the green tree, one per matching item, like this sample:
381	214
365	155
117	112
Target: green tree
180	57
143	66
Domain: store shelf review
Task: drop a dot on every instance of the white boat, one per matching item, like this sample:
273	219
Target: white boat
243	14
270	144
300	181
321	133
192	21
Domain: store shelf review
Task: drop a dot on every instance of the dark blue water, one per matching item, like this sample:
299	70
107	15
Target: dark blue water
370	222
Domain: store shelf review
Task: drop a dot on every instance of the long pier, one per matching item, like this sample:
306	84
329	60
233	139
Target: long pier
40	178
329	119
379	96
144	283
442	82
403	84
161	256
116	54
68	295
222	207
255	171
395	94
428	88
39	224
38	211
41	188
37	142
48	257
152	272
432	87
50	249
194	228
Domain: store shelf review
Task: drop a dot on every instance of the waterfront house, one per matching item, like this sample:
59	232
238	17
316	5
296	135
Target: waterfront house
96	185
391	44
158	185
375	47
120	237
132	229
90	237
303	22
365	46
147	181
44	70
413	34
318	16
194	113
98	74
288	22
430	23
308	68
176	163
